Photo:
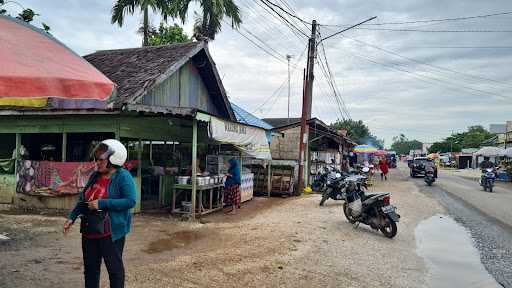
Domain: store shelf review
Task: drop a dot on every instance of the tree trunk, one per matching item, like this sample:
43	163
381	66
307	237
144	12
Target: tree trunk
145	41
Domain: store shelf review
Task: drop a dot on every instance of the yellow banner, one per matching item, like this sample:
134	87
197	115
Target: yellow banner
24	102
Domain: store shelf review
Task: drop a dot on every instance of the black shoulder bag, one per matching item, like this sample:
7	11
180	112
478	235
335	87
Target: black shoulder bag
91	221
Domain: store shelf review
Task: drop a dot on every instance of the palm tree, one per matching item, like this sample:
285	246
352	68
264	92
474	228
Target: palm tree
128	6
208	22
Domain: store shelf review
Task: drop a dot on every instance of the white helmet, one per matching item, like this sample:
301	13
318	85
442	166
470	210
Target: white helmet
118	153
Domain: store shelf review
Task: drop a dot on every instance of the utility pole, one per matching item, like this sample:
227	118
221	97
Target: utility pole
451	144
288	57
306	110
307	101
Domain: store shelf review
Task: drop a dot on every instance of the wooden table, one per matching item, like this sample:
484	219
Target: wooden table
201	207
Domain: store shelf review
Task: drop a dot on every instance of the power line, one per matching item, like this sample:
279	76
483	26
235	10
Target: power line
292	26
263	42
289	6
430	79
424	63
268	11
333	84
288	13
431	20
435	31
332	81
283	84
457	47
261	48
276	92
263	21
330	97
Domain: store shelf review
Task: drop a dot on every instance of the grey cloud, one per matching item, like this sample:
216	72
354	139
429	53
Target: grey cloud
389	100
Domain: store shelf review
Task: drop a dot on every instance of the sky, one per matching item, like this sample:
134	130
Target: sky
425	85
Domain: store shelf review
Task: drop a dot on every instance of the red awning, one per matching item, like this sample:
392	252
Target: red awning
36	65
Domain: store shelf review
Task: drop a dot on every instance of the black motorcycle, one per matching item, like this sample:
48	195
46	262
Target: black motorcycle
320	183
429	177
335	188
374	210
337	184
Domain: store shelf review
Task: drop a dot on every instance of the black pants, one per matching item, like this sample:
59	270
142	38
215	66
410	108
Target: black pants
111	252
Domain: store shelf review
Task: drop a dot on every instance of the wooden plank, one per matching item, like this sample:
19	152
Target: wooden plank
49	124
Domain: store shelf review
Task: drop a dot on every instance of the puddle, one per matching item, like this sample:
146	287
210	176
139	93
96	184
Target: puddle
451	258
174	240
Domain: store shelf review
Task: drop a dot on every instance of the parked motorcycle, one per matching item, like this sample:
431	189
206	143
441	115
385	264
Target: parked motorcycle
335	188
320	183
429	177
487	179
374	210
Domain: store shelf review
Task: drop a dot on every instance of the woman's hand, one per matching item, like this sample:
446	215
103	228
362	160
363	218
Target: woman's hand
93	205
67	226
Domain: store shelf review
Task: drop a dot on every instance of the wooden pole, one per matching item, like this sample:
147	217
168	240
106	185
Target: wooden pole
194	167
139	176
151	152
17	152
269	177
306	109
64	146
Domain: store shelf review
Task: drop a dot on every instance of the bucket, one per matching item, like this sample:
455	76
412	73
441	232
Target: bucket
187	206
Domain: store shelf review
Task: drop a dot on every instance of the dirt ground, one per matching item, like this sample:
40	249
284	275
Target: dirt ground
276	242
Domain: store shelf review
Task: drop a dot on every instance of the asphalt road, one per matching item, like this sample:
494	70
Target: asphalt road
488	217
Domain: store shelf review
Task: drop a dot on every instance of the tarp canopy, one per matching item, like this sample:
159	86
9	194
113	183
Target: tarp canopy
490	152
508	152
248	139
364	149
39	71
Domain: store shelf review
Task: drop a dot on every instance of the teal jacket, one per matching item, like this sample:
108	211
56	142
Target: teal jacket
121	198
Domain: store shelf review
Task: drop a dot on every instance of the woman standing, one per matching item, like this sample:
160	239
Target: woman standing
232	186
104	208
384	169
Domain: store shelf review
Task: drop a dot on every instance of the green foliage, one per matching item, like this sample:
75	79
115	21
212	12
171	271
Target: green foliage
167	35
208	22
358	131
123	7
472	138
46	27
402	145
444	146
26	15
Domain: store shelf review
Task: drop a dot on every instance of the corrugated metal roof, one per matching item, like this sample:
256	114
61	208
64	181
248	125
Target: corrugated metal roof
245	117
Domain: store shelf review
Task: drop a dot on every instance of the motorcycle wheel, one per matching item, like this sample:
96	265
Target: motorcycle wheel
349	217
390	230
490	188
429	183
325	196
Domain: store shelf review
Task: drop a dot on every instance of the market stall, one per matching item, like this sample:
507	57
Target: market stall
200	190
